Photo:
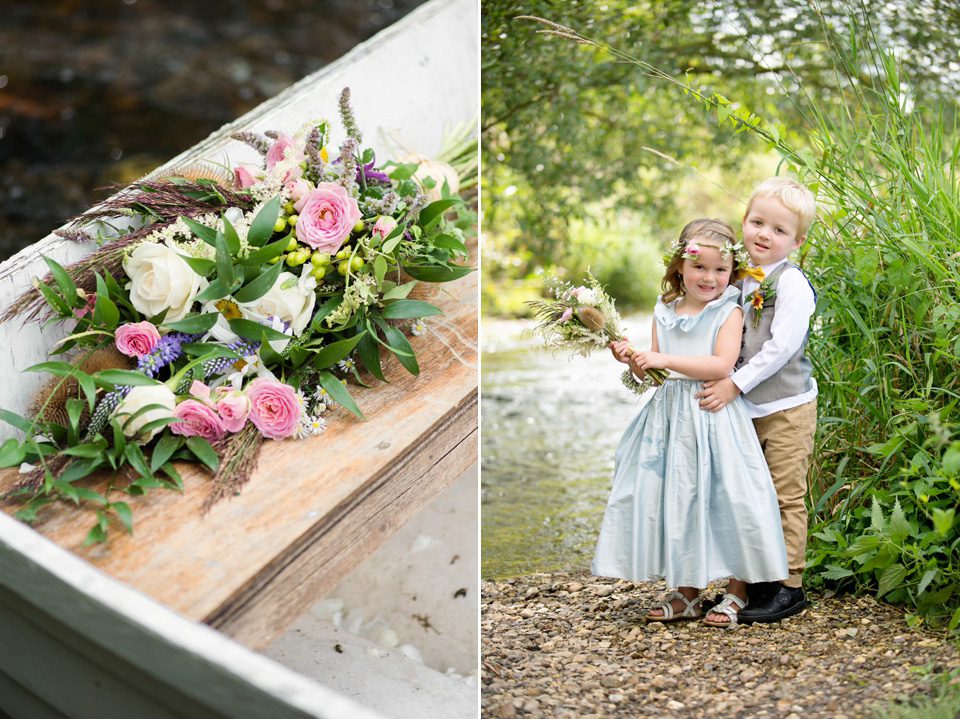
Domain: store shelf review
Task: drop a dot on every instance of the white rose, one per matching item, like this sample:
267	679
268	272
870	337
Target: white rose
289	299
160	279
587	297
138	398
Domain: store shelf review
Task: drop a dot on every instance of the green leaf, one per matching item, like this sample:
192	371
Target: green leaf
89	387
260	286
85	451
105	312
68	289
368	351
79	469
261	229
336	351
224	261
435	209
12	453
194	324
437	273
339	393
66	490
891	578
90	495
174	475
400	291
836	572
199	265
110	378
254	330
863	544
123	511
943	520
928	577
54	300
401	349
409	309
59	369
379	269
95	535
15	420
207	234
210	351
215	291
166	446
231	237
955	619
449	242
204	452
264	254
876	516
268	355
899	526
136	459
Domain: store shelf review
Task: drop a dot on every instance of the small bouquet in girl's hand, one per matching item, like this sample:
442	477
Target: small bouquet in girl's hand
583	319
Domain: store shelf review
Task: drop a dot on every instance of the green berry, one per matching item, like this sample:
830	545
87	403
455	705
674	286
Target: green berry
320	259
358	227
288	208
356	263
292	220
343	267
279	225
292	244
343	254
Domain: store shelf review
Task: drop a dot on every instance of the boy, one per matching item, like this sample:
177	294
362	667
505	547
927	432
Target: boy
774	375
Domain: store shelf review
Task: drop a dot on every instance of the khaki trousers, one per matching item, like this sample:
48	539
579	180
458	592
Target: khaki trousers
787	441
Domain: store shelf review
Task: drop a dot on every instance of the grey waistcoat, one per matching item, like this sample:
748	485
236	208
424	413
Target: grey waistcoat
795	376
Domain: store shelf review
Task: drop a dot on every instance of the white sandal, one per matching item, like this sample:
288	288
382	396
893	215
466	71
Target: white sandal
690	611
724	607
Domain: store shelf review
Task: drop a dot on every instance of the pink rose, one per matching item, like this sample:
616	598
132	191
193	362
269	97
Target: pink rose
233	406
692	249
298	188
327	216
198	420
274	408
136	339
384	226
243	177
285	149
567	314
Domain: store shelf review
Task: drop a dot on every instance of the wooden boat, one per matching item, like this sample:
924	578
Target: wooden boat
167	622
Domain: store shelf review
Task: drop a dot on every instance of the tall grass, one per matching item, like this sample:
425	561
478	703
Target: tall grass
885	259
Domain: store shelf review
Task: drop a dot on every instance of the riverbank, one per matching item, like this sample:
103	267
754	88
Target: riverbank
568	645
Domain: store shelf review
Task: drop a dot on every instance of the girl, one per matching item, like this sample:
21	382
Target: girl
692	499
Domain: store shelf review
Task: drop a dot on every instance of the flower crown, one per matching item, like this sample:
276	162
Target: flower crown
692	250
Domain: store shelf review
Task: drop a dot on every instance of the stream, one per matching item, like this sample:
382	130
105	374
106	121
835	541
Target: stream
549	429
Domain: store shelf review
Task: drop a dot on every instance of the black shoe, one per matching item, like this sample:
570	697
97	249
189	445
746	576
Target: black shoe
760	592
785	602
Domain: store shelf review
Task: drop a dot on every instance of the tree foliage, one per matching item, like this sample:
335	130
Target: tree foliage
569	126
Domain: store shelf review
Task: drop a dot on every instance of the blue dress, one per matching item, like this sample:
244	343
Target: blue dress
692	498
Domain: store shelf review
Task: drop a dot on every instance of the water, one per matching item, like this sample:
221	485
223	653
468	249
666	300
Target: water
549	429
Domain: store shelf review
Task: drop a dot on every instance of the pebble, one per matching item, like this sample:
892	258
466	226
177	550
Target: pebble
590	654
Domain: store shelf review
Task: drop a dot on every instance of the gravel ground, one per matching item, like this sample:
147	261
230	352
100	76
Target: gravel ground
571	645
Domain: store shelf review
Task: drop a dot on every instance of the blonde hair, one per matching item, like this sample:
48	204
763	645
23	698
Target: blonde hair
711	232
794	196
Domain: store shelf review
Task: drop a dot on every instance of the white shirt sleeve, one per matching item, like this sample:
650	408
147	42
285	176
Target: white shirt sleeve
788	330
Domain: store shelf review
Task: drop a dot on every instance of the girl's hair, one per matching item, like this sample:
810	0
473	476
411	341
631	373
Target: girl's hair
715	233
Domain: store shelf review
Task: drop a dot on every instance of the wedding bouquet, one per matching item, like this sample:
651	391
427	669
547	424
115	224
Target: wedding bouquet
583	319
233	307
